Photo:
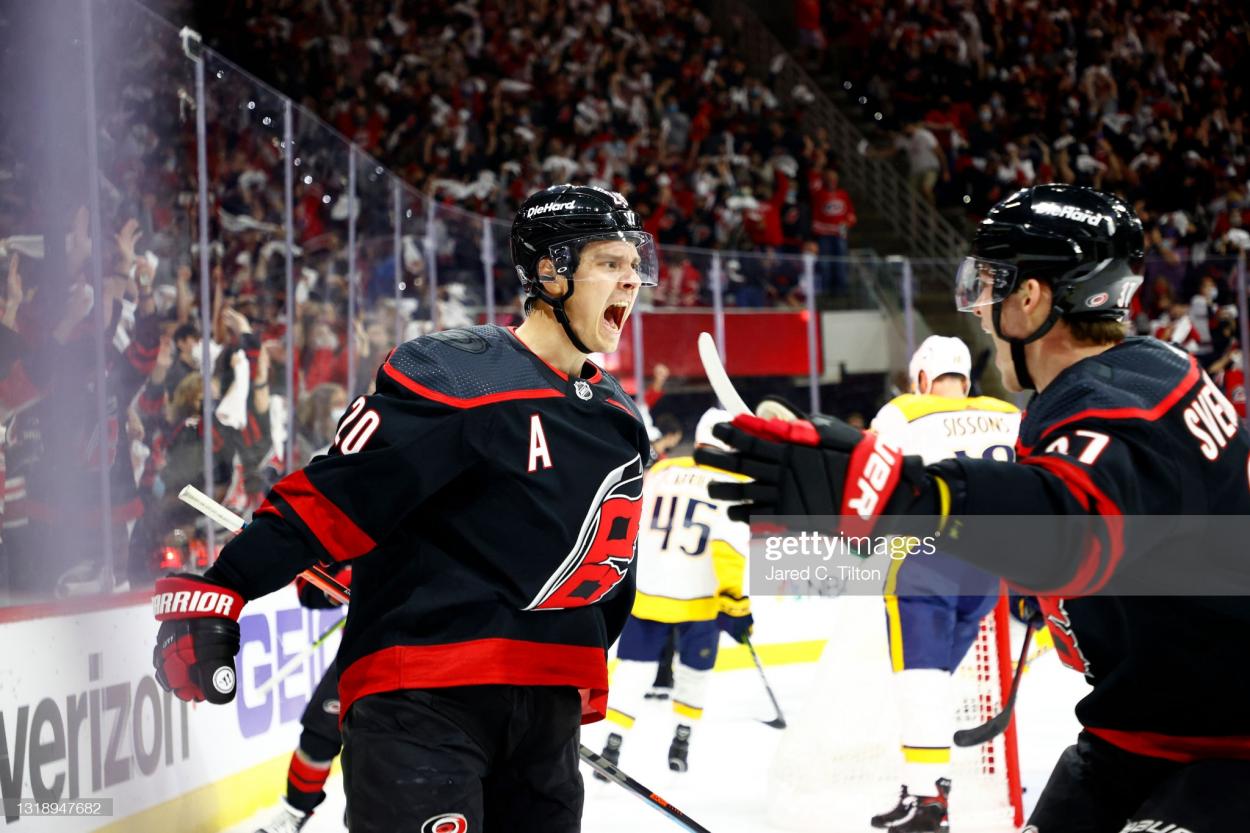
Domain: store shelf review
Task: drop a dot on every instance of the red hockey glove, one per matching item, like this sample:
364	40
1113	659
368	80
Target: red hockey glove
198	638
812	466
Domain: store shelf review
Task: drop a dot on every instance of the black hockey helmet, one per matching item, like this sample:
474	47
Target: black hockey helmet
1086	245
558	223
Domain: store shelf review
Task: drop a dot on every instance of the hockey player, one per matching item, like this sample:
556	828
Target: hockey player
320	741
493	485
690	568
934	605
1119	427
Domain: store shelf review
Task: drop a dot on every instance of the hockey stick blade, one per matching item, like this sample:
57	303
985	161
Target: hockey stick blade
778	722
614	774
998	724
716	375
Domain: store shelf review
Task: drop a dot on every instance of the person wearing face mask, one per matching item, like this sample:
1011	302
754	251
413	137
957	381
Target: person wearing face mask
488	498
1120	429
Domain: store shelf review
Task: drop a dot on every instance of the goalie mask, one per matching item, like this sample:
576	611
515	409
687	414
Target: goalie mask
1086	245
558	223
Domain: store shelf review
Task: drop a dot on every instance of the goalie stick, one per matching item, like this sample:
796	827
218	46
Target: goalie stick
997	724
315	575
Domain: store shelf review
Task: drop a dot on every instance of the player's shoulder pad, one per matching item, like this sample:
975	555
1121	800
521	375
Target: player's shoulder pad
688	462
913	406
617	395
990	403
1129	381
463	368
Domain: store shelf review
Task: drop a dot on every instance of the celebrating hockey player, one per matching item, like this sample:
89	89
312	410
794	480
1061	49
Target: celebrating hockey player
493	485
1119	427
934	605
690	568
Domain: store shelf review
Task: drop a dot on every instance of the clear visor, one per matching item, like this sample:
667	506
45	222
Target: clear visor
617	257
981	282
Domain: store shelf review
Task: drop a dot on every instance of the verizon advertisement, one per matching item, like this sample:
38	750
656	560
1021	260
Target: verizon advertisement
82	717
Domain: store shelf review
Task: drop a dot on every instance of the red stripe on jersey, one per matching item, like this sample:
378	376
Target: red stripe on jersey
1148	414
1176	747
1088	577
266	508
595	377
472	401
619	405
335	531
480	662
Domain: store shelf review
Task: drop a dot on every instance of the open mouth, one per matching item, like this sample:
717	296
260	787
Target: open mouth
615	315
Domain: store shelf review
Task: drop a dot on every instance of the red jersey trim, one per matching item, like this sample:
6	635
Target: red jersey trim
469	402
596	377
1088	578
622	407
481	662
1176	747
336	532
1147	414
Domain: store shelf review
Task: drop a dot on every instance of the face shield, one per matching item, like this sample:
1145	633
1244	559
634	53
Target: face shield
613	257
980	282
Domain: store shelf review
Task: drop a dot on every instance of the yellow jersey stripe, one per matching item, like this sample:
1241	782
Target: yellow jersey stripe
915	405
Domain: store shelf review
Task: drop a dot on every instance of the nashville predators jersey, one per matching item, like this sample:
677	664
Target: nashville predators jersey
689	551
940	427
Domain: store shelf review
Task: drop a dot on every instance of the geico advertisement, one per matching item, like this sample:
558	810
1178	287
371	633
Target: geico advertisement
82	716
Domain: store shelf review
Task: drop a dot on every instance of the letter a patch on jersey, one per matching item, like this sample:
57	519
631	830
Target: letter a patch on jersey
540	455
605	545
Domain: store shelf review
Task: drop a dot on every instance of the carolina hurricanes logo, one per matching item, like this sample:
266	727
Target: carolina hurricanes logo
1066	644
445	823
605	545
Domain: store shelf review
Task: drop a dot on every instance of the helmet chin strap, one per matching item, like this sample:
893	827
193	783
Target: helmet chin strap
1023	377
557	307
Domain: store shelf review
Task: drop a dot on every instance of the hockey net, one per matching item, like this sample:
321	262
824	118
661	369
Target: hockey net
839	761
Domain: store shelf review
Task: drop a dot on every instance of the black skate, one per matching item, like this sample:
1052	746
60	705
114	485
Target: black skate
918	813
658	692
679	749
611	753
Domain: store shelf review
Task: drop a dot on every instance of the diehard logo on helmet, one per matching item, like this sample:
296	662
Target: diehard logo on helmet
549	207
1068	212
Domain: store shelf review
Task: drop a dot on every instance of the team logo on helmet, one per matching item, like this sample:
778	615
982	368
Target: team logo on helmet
223	679
582	389
1097	300
446	823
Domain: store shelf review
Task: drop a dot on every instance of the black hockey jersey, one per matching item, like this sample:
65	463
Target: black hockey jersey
1139	430
492	503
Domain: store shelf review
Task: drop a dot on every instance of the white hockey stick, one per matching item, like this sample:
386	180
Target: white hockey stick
724	389
219	514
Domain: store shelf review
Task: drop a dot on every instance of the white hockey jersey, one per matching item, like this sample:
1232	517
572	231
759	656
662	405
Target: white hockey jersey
689	552
939	427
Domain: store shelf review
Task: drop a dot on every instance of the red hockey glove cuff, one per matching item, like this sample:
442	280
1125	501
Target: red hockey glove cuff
198	638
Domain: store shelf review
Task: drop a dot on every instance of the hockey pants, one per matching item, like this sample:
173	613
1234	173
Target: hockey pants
475	758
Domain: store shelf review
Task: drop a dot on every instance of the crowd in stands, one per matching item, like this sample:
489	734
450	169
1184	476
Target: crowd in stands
474	105
1145	100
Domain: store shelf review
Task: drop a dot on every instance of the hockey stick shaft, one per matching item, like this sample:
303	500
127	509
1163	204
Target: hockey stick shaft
997	724
296	662
779	722
222	516
215	511
613	773
719	379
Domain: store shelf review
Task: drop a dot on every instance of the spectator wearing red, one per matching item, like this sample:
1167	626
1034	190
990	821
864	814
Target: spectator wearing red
833	215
